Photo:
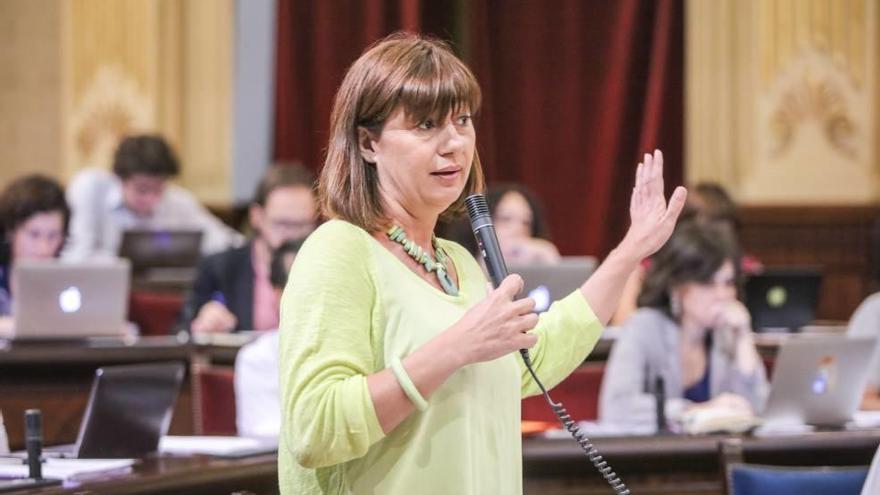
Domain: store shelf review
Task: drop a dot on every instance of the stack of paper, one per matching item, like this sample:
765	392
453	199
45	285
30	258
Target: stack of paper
65	469
217	445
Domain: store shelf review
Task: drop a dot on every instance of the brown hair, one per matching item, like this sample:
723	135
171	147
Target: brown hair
27	196
694	253
283	174
147	154
420	75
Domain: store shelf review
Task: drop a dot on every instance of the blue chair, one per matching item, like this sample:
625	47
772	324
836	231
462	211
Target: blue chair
756	479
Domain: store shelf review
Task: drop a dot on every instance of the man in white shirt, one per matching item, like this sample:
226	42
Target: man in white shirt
136	195
4	442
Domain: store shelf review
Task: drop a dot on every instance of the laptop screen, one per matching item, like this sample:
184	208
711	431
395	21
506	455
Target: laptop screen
129	410
549	282
783	298
161	248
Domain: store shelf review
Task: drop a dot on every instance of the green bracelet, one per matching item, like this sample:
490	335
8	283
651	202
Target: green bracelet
409	388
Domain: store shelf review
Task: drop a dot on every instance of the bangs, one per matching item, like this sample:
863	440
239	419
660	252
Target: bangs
436	87
423	77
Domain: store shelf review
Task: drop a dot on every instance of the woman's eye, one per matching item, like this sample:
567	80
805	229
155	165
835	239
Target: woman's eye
464	120
426	125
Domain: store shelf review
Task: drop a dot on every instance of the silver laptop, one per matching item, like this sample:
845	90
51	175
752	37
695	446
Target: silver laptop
548	282
58	300
818	380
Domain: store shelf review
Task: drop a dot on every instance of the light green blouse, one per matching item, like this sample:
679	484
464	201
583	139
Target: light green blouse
349	309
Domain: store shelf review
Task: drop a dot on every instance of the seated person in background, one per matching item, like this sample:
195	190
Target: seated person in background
4	442
34	217
137	195
257	396
707	202
232	290
865	322
520	225
691	330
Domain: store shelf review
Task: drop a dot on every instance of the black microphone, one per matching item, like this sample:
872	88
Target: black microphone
487	241
33	439
484	231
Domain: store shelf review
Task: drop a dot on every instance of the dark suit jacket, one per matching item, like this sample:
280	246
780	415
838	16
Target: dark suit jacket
228	275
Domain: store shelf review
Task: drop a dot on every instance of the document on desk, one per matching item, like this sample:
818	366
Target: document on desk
66	469
217	445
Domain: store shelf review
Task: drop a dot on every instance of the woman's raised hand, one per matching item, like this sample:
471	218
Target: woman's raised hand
498	325
652	220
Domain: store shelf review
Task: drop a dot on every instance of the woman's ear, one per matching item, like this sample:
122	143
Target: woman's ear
365	144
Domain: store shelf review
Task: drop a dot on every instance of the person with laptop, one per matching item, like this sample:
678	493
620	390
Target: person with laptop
690	337
34	217
137	195
257	397
232	289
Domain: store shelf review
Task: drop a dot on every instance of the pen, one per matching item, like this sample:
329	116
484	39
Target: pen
217	296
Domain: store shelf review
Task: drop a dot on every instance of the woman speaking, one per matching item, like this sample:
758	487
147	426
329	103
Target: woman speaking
399	370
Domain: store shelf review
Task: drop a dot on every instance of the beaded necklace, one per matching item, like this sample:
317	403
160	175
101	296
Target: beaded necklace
439	266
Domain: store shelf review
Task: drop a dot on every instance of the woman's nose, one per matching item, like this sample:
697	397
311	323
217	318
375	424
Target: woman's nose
453	140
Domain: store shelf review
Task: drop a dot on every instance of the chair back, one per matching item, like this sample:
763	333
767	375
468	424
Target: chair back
756	479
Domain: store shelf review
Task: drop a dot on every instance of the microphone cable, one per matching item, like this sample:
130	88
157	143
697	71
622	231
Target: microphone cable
484	231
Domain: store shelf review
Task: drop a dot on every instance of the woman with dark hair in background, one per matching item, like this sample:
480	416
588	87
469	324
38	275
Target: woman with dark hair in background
520	224
34	216
707	202
690	330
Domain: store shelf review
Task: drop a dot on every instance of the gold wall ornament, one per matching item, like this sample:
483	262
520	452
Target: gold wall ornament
817	99
111	106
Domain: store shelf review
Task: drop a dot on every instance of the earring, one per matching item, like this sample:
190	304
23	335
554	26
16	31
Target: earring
674	304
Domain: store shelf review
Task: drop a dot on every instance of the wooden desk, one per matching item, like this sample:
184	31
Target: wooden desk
57	377
648	465
197	475
678	464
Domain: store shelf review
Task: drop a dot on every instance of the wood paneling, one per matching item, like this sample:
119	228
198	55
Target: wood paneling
836	238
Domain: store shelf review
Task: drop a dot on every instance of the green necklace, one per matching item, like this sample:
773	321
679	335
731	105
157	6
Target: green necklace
438	266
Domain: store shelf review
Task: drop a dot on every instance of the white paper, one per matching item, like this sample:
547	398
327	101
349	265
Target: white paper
66	468
215	445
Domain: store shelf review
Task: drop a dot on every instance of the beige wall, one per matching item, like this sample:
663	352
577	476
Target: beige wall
109	67
30	103
782	99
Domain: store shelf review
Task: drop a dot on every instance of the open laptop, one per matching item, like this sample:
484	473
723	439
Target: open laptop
129	410
56	300
818	380
548	282
783	298
162	256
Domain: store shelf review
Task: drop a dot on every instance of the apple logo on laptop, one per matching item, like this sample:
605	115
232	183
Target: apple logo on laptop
541	295
825	377
70	300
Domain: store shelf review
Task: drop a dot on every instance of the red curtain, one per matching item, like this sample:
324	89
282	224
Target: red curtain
574	91
317	41
573	95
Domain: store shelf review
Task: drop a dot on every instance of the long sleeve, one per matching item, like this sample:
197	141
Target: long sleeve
622	398
204	286
257	402
567	333
84	196
327	350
